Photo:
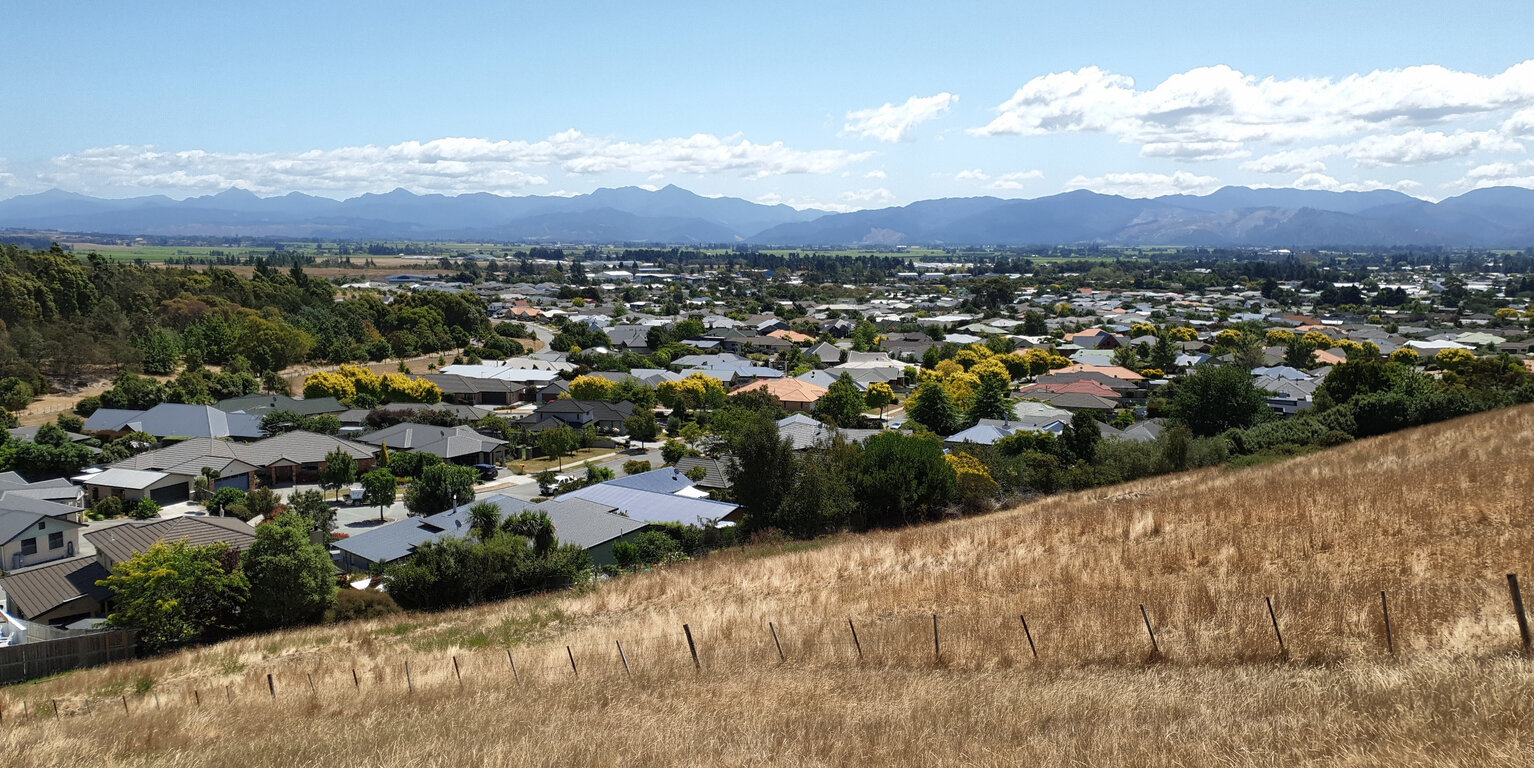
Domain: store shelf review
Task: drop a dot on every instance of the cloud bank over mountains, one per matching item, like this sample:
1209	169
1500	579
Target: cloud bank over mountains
1427	130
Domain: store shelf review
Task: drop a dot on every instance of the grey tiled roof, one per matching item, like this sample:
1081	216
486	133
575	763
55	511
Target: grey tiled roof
189	456
35	591
121	542
176	420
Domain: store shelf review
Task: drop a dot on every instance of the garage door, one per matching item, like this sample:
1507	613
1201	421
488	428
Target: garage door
241	482
169	494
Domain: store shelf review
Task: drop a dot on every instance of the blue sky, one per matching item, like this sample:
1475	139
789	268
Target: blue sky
834	105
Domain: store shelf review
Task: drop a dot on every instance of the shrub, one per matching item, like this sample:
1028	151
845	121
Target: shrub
635	467
224	498
146	509
356	604
107	508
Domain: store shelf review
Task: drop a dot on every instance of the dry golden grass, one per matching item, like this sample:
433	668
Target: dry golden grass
1436	517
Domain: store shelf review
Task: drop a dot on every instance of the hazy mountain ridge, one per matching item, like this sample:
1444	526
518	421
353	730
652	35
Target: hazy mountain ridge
1230	216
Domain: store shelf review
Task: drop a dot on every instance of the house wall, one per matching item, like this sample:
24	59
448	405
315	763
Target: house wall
10	554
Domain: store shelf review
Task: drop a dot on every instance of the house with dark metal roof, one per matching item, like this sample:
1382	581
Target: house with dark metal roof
260	405
459	445
589	525
662	495
176	420
579	413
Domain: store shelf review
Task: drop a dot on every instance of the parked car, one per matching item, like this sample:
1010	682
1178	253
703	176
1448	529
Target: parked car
487	472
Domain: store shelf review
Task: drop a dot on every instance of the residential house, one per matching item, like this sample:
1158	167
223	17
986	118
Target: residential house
175	420
457	445
65	591
593	526
662	495
166	475
797	395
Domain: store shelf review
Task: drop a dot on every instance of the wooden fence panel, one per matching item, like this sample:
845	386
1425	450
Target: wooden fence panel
29	661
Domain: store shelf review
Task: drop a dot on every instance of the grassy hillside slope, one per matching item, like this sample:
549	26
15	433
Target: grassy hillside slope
1435	517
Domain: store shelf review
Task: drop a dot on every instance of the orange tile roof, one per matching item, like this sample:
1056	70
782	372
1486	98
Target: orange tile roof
1116	371
787	390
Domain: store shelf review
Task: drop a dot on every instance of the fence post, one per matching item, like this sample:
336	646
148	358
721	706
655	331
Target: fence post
55	707
777	642
571	654
456	674
937	645
229	692
1523	618
855	642
409	681
356	681
625	658
271	687
312	690
156	699
125	705
1029	635
26	713
1390	642
514	673
692	647
1155	646
1274	617
197	696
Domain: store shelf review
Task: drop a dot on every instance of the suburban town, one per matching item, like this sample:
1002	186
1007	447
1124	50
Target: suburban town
625	409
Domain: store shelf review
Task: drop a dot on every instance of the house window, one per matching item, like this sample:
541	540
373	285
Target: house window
55	539
29	546
41	524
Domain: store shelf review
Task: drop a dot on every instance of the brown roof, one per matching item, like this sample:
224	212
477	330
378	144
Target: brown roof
36	591
121	542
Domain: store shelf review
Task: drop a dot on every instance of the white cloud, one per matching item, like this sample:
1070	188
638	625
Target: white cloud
1146	184
1014	181
1191	151
1497	175
876	174
448	165
1417	146
972	174
1306	160
1326	183
1520	125
1215	112
867	198
892	122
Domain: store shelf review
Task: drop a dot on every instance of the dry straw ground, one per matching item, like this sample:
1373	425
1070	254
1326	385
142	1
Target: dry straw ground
1436	517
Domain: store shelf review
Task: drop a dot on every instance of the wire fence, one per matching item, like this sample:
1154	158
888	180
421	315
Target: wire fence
1256	631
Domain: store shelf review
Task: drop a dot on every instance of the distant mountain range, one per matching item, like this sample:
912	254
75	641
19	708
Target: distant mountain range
1231	216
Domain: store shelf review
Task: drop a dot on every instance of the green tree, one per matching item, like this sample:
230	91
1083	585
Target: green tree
378	489
339	471
935	409
1082	436
762	472
842	405
559	441
312	506
484	520
642	426
993	398
15	394
1215	398
175	593
292	579
440	487
902	479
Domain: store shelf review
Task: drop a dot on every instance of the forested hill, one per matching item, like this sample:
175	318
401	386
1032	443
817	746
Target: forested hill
62	317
